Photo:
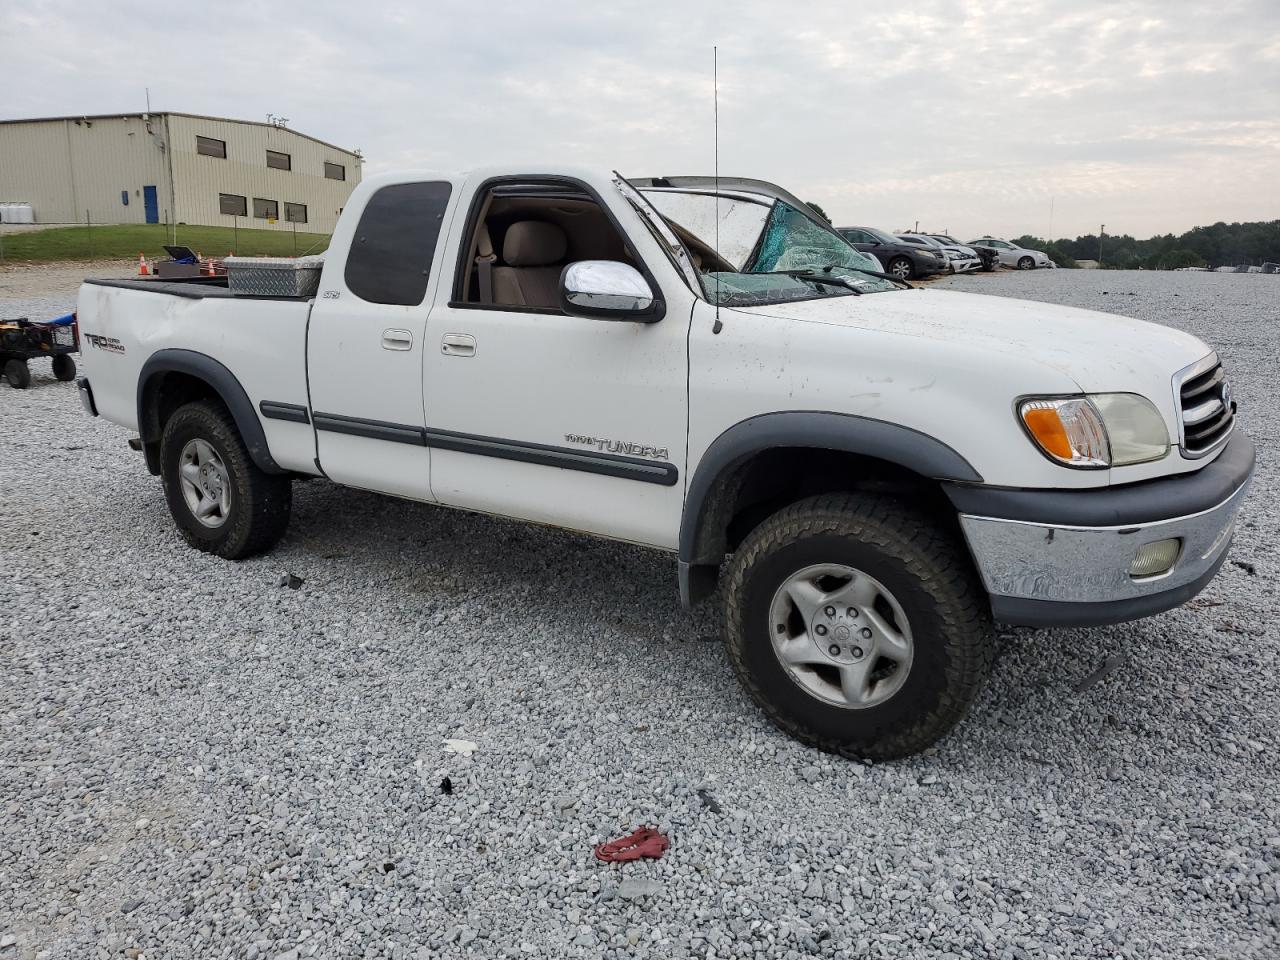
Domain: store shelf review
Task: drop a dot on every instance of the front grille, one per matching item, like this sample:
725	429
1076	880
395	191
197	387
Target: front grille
1208	412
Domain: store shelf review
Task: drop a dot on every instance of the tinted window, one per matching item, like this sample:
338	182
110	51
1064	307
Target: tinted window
232	205
335	171
279	161
295	212
266	209
390	256
209	147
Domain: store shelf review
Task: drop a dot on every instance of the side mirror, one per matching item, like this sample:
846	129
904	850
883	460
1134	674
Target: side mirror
608	290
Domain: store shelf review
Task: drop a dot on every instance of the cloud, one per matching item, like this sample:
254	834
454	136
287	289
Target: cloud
973	115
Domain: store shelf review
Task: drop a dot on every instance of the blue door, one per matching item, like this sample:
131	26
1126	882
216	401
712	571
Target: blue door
150	205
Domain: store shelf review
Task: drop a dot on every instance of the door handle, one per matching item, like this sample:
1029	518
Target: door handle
458	345
393	339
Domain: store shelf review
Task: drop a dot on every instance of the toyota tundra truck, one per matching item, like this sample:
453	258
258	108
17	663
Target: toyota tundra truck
867	473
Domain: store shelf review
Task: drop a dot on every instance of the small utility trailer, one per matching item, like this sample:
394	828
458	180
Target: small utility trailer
22	340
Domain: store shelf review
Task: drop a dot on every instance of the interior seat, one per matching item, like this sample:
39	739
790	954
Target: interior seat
532	251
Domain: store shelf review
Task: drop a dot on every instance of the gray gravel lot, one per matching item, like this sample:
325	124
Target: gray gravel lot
197	763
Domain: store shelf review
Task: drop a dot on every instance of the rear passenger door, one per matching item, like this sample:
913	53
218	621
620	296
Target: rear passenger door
366	337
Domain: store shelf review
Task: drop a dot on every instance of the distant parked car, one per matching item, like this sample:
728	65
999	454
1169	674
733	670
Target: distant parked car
960	259
905	260
1012	255
990	259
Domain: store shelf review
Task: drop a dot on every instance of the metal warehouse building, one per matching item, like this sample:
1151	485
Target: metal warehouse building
173	167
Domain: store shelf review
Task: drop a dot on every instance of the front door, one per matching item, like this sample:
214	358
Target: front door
366	340
150	205
571	421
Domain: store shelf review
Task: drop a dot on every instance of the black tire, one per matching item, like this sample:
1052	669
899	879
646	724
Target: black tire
932	579
259	503
64	368
902	267
18	374
1026	263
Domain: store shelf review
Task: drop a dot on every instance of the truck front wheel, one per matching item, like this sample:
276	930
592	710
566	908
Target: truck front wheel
221	501
857	625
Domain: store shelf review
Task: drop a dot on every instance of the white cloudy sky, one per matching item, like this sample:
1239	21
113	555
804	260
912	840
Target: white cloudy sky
968	115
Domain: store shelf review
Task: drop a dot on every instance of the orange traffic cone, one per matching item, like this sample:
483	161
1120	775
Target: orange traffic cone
143	269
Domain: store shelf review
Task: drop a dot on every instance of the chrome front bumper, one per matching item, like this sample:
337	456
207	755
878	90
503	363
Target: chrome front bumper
1037	561
1064	557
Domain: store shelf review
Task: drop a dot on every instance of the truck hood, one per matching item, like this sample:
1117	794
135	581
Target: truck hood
1100	352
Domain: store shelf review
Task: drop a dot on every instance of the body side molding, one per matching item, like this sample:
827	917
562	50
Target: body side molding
604	464
277	410
372	429
224	384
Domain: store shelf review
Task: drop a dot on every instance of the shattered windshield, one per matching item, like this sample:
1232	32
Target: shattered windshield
767	251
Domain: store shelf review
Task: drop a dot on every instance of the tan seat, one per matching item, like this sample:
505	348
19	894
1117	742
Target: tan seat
530	277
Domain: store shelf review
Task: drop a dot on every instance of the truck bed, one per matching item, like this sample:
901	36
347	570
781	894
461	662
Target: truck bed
260	340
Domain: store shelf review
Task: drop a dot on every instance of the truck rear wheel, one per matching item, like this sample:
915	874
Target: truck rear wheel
221	501
857	625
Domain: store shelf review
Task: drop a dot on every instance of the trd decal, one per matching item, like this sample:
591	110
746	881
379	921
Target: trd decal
109	344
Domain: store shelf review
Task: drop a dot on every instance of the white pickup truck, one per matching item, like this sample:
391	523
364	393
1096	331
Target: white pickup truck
871	472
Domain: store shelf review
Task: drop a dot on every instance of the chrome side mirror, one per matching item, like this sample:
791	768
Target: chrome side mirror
608	290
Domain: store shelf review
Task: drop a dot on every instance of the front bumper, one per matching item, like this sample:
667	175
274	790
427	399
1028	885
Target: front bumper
967	265
1063	558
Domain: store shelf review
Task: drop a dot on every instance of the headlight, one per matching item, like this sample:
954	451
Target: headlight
1098	430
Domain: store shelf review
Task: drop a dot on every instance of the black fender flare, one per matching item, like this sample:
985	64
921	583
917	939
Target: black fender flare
222	381
891	442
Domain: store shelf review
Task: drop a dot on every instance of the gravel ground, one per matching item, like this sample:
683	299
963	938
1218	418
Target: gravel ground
39	287
197	763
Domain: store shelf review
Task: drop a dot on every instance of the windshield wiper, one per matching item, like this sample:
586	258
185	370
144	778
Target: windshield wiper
826	275
820	278
876	273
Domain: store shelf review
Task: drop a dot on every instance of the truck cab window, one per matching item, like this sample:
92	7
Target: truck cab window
394	242
523	239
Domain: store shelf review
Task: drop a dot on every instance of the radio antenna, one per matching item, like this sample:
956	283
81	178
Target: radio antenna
715	95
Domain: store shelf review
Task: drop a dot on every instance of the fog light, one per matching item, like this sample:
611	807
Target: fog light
1153	559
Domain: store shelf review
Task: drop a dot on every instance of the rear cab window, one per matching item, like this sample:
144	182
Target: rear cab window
395	242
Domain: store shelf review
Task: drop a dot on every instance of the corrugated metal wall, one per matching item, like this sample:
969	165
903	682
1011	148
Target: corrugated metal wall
200	179
67	167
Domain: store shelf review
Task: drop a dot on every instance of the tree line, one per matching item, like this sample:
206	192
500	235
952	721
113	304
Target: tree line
1223	244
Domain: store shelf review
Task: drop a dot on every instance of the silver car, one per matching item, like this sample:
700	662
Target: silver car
960	259
1012	255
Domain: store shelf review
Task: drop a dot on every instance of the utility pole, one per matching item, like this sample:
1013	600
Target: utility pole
1102	230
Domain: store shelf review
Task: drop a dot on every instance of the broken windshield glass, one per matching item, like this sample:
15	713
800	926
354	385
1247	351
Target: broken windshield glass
763	248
